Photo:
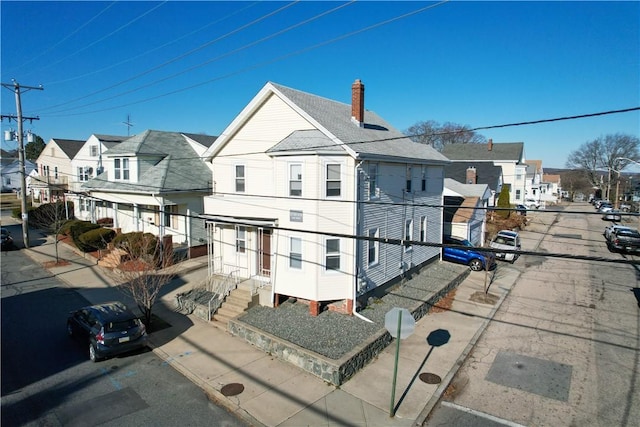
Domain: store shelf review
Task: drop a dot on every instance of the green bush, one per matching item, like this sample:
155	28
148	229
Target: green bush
137	244
78	229
66	227
95	239
503	202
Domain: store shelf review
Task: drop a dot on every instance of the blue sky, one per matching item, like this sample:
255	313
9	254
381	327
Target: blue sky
192	66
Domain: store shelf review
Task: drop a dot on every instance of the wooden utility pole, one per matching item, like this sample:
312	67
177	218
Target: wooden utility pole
16	88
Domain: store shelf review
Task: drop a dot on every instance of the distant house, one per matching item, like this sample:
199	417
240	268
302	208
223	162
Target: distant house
54	170
477	173
87	164
154	182
534	178
11	174
507	155
465	212
550	188
306	191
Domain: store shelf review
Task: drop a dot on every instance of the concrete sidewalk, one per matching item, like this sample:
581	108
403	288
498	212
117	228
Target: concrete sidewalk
266	391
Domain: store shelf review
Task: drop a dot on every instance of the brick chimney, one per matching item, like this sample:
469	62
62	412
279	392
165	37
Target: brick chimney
490	144
357	102
471	175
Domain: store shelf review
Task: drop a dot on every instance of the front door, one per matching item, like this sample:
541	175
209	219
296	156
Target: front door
264	252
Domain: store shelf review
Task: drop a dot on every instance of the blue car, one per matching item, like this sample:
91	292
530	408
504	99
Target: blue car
468	254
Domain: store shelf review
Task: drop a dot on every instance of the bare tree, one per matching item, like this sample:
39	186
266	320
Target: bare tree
145	269
437	135
607	153
52	217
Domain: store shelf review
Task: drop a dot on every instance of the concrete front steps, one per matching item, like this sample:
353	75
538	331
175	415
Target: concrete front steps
236	303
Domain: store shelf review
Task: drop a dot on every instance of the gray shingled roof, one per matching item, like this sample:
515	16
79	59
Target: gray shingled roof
375	139
486	173
110	141
70	147
306	140
205	140
480	152
178	169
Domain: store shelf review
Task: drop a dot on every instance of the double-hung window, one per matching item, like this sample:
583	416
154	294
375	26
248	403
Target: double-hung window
332	254
423	229
83	174
240	178
93	151
170	216
333	183
295	180
121	169
373	249
373	181
295	253
408	234
423	186
241	240
409	172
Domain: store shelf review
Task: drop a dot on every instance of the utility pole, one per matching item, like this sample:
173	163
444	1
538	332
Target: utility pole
21	155
128	124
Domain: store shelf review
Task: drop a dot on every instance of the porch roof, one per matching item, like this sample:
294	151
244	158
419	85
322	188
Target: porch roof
240	220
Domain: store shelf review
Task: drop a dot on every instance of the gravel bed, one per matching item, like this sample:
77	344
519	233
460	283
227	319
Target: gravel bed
333	334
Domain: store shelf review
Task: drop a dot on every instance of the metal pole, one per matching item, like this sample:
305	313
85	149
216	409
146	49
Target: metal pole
21	159
392	411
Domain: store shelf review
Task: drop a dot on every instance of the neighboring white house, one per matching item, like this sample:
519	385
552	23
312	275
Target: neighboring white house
10	173
296	176
534	178
550	189
508	155
466	210
87	164
54	170
154	182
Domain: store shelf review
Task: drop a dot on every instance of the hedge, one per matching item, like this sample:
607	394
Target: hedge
95	239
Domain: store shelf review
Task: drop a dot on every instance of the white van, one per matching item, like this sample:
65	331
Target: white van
509	240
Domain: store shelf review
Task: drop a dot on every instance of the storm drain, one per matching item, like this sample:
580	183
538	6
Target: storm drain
543	377
429	378
232	389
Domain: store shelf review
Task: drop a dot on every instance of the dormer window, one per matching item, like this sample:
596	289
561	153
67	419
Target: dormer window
121	169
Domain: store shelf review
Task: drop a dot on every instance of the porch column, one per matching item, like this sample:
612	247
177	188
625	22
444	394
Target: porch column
114	211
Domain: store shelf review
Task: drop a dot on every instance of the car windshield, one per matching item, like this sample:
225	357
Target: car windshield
120	326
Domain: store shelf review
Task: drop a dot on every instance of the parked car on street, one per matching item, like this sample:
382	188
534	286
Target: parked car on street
466	253
624	240
612	215
521	210
107	329
612	228
532	203
7	240
507	240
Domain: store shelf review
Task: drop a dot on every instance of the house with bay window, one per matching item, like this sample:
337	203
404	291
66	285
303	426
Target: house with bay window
311	198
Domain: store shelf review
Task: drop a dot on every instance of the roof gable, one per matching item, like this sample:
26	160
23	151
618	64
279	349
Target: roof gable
69	147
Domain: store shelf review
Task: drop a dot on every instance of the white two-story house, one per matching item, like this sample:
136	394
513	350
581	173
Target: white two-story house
54	170
154	182
320	200
87	164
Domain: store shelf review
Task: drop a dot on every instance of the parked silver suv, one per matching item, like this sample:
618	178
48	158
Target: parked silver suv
509	240
108	329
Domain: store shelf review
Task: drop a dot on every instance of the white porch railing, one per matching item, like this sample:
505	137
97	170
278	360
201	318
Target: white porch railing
221	291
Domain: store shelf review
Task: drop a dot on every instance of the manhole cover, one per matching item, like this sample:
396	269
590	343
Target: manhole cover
232	389
430	378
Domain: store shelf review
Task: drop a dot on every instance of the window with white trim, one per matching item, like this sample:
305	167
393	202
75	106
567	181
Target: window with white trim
171	216
423	229
332	254
333	180
295	180
517	194
295	253
240	178
55	172
241	239
83	174
373	181
121	169
373	246
408	233
93	149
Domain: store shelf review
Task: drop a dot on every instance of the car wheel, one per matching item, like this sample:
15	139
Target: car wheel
69	329
93	356
475	264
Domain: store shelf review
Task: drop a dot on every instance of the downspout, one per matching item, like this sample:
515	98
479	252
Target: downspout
356	215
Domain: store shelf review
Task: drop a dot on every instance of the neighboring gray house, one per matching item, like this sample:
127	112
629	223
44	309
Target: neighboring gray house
155	182
11	174
296	174
507	155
